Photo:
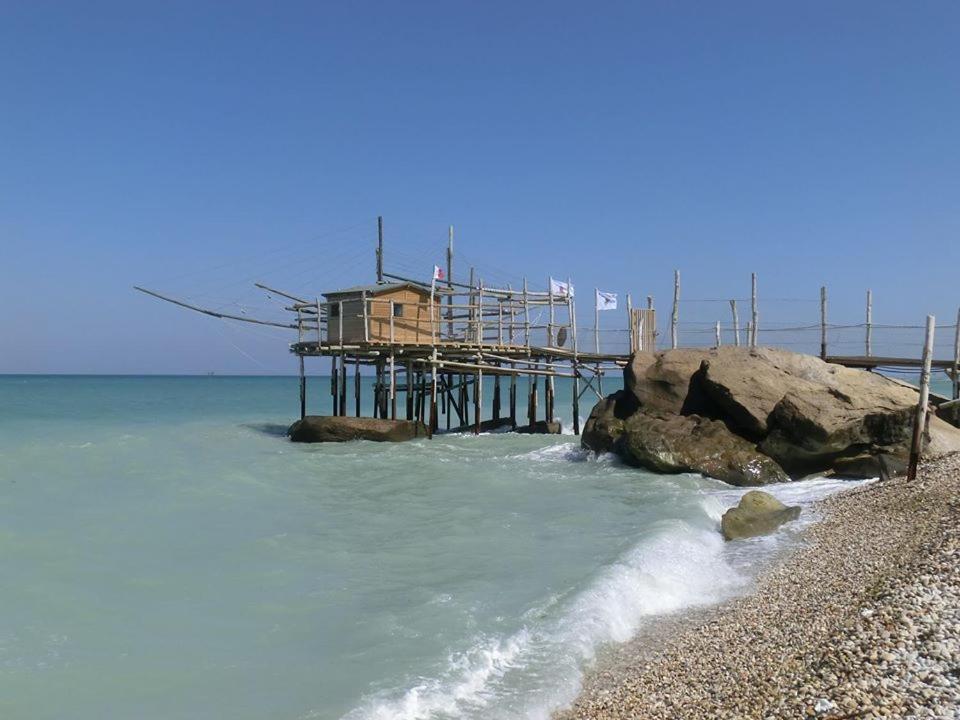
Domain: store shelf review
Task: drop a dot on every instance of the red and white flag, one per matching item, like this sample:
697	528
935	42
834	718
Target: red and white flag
438	273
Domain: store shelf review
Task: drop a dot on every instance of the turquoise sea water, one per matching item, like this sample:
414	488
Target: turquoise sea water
168	554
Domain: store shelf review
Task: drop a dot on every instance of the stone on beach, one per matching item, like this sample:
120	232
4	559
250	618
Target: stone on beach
758	513
326	428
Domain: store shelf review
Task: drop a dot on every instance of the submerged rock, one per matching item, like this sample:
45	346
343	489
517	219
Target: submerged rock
690	443
326	428
758	513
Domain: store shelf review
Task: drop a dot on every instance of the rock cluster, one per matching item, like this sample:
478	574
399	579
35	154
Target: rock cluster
862	622
751	416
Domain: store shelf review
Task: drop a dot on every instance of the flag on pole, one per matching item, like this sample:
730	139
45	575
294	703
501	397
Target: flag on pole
438	273
560	289
606	300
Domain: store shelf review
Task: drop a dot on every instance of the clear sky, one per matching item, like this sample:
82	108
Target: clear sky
195	147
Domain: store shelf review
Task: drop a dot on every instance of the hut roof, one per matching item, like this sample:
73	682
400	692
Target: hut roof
378	288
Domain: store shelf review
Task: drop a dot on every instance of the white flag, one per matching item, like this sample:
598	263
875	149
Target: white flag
437	272
606	300
560	289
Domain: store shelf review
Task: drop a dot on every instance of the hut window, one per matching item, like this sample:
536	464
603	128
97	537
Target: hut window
398	309
335	310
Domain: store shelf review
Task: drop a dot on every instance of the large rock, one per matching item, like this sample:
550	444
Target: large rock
807	415
324	428
689	443
605	424
758	513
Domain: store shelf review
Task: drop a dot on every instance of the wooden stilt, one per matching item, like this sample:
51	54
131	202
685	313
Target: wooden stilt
409	387
675	315
513	398
496	397
477	401
334	384
393	387
736	323
303	390
919	422
356	386
343	383
956	359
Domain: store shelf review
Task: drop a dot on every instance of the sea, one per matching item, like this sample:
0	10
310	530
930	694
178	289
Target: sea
168	554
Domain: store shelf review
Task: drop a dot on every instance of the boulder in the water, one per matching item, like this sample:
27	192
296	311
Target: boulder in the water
689	443
758	513
332	428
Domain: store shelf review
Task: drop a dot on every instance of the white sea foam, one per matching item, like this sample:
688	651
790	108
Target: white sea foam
538	669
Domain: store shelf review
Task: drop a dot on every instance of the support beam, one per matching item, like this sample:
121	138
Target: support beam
736	323
823	322
303	390
920	419
675	315
379	250
754	315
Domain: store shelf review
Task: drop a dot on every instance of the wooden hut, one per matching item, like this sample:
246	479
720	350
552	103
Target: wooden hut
382	313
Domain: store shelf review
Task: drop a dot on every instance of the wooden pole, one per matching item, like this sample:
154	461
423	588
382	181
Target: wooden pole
675	316
754	318
303	390
736	323
433	394
549	399
717	334
477	402
572	309
496	397
356	385
919	422
334	383
409	374
393	387
596	319
526	317
956	359
380	249
343	382
450	282
550	334
630	333
513	397
868	339
823	322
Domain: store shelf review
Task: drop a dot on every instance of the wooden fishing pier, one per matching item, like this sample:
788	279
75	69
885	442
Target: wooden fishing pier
429	344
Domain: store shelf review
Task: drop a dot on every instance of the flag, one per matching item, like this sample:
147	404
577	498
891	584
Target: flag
606	300
438	273
560	289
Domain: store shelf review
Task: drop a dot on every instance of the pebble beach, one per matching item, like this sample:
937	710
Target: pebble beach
863	621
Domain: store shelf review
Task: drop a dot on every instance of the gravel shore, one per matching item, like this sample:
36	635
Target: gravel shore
862	622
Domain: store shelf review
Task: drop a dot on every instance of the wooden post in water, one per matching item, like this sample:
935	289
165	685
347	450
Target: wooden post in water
496	396
736	323
356	385
920	419
393	387
549	398
303	390
550	325
867	341
334	383
409	374
754	316
526	317
433	394
477	401
823	322
513	397
675	316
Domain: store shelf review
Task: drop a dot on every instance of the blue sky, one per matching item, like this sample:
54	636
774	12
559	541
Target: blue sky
195	147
